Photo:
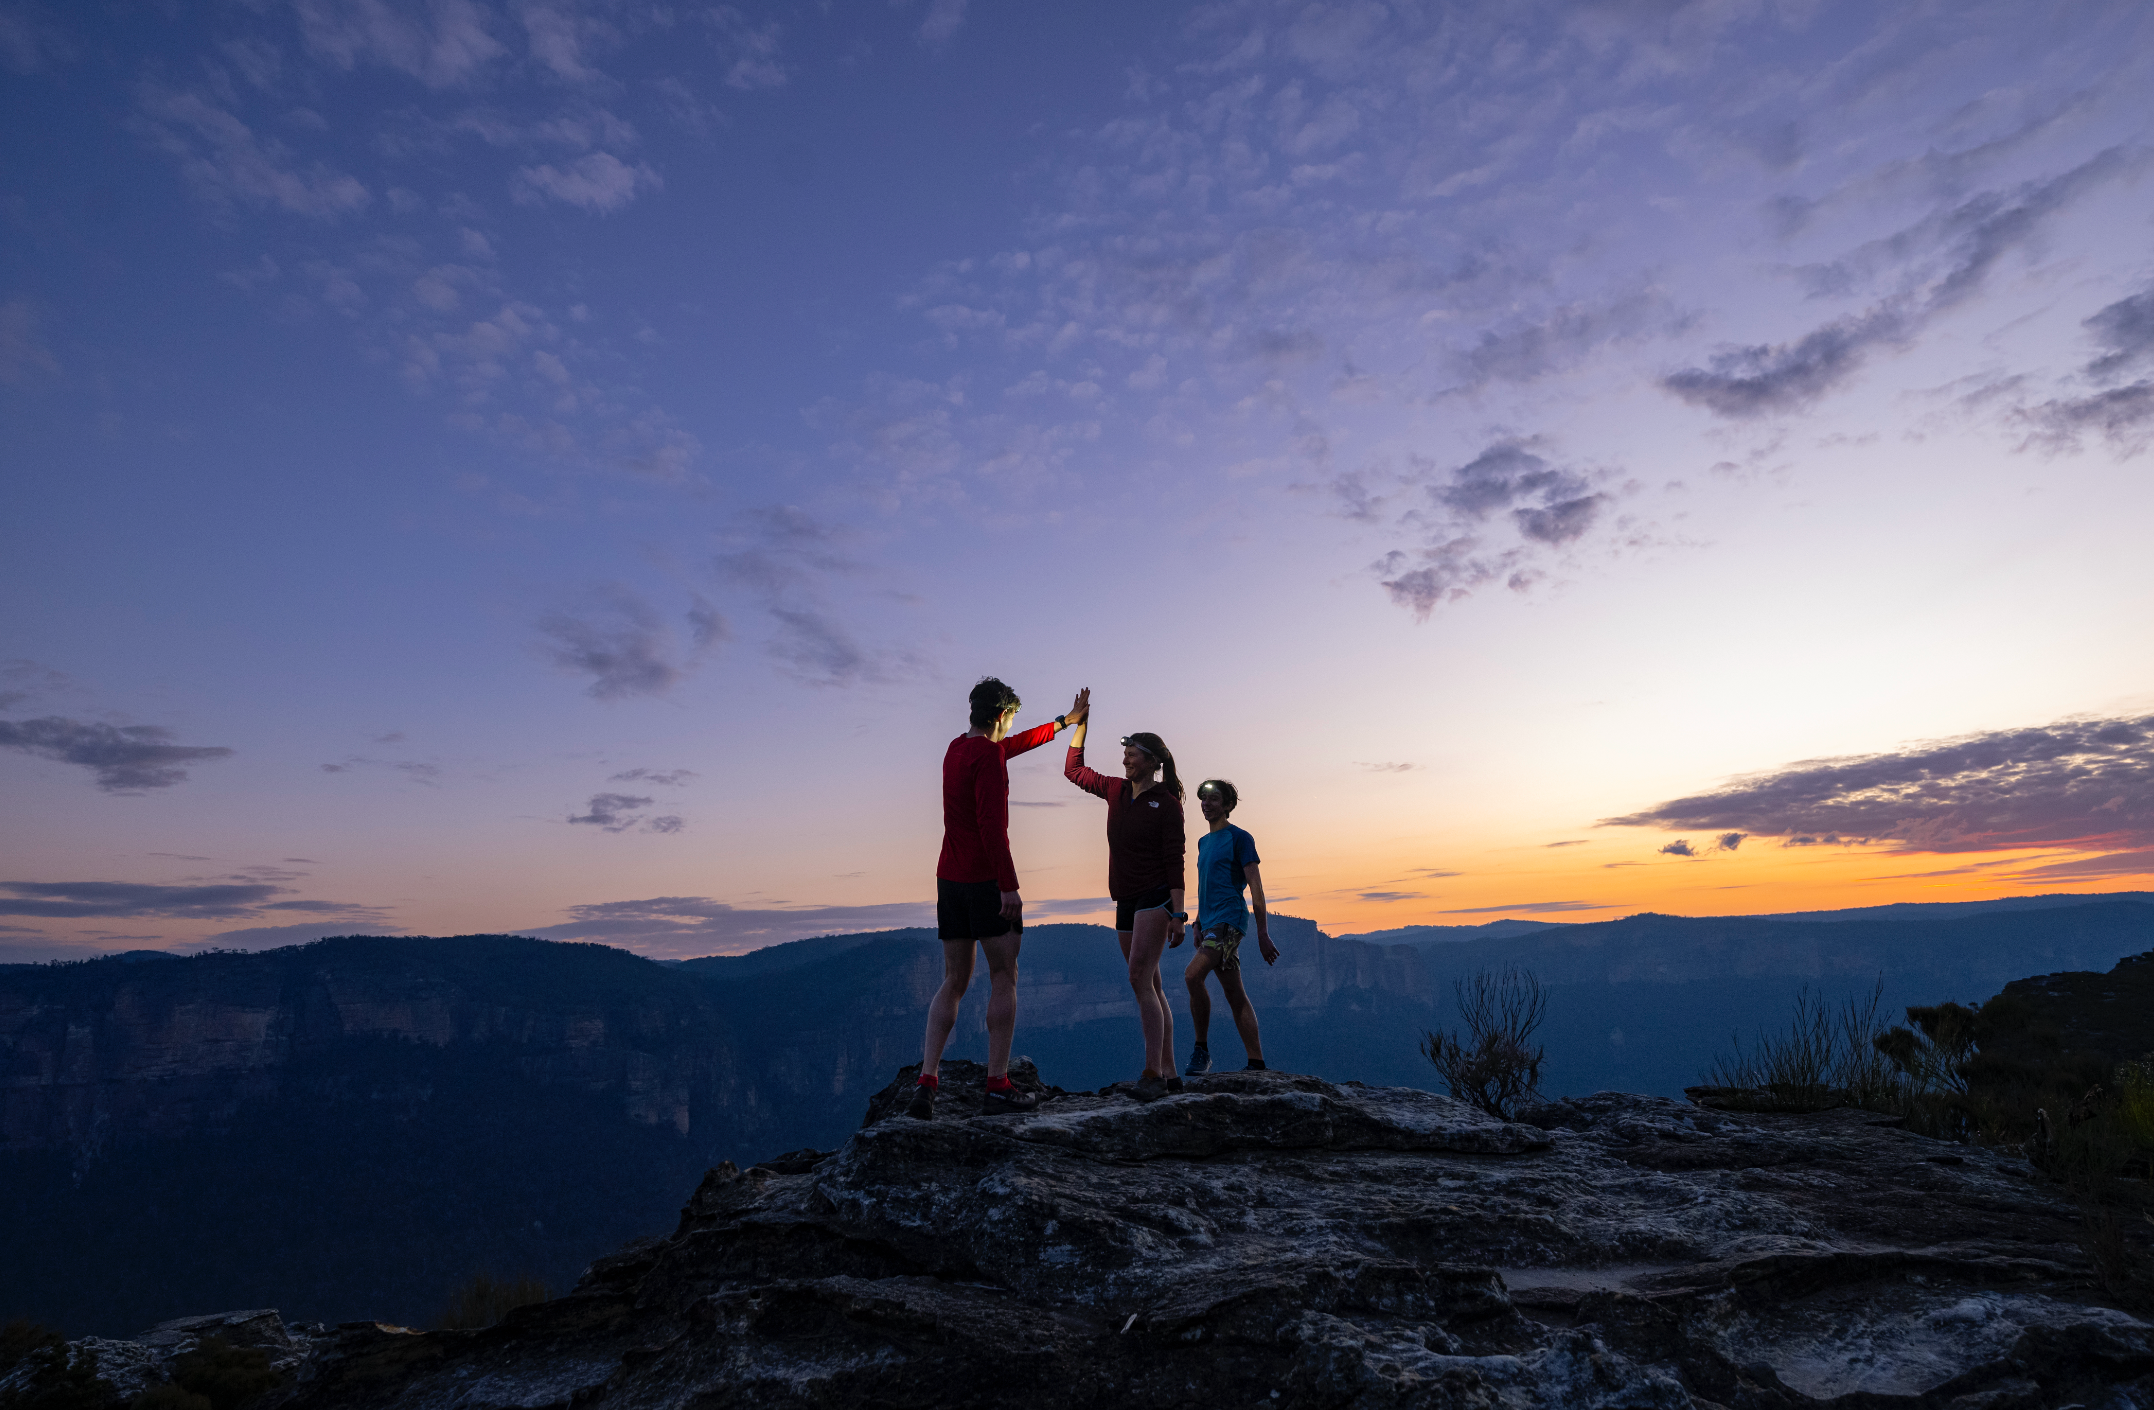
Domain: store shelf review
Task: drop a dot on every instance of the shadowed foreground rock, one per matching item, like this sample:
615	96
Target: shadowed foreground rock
1267	1239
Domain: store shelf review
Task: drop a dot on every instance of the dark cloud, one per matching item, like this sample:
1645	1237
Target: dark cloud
669	778
2124	416
622	643
1969	238
1532	906
2083	784
66	900
681	926
619	812
1754	381
1679	848
124	758
1728	841
1385	897
1549	505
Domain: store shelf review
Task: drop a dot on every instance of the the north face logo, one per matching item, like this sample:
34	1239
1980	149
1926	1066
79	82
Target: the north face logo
1155	802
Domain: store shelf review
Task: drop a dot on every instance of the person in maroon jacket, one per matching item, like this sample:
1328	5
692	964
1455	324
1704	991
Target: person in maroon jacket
1145	855
976	896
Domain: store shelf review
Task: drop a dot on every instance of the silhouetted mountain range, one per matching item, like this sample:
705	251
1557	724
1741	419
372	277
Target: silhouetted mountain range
351	1128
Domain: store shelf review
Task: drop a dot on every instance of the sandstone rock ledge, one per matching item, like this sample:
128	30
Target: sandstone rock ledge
1268	1239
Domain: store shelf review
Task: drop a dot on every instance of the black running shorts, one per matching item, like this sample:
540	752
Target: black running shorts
1125	912
972	910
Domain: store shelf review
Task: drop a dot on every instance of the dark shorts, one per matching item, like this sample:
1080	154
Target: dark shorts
972	910
1125	912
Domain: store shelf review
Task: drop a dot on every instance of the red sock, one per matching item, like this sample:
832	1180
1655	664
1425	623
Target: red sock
996	1084
929	1079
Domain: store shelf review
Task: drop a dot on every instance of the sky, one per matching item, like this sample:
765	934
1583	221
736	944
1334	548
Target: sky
557	466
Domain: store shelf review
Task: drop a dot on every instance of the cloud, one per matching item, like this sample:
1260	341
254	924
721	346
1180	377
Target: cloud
2085	784
668	778
1679	848
1573	842
2123	415
1386	768
751	51
1385	897
600	182
124	758
442	44
683	926
415	771
23	354
619	812
1971	236
1549	506
620	641
1530	906
229	164
786	557
1754	381
27	680
69	900
944	19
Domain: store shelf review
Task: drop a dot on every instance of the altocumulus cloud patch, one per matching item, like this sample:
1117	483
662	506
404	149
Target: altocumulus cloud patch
122	758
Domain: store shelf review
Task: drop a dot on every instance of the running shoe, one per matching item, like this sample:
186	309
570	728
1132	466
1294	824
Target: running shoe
923	1103
1006	1100
1174	1084
1256	1065
1150	1087
1200	1060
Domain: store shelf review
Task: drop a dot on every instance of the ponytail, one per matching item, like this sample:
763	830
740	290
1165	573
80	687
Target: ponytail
1153	745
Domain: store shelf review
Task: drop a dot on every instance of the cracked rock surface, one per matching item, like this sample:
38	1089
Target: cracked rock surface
1270	1239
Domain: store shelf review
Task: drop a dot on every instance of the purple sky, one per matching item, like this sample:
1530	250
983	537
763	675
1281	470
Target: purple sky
558	466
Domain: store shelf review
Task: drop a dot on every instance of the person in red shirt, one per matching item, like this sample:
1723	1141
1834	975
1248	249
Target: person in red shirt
976	896
1145	855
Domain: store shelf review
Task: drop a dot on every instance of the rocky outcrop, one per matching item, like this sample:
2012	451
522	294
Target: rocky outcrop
1279	1240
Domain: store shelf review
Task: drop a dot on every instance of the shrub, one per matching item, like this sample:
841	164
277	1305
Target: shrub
57	1381
1492	1064
1825	1059
485	1300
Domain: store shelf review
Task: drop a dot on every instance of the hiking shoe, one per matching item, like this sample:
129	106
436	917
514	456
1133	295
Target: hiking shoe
923	1103
1150	1087
1256	1065
1003	1101
1200	1061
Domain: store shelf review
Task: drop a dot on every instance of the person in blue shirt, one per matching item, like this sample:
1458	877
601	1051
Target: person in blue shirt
1226	862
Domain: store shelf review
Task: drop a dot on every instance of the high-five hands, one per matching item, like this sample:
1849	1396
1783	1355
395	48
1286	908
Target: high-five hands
1081	707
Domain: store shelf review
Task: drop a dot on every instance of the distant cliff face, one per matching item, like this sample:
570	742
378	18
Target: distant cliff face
105	1052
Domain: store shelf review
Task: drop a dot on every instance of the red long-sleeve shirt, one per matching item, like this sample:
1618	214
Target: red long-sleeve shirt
1145	845
976	806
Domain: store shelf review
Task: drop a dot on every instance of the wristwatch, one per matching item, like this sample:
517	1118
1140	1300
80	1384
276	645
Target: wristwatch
1062	722
1181	915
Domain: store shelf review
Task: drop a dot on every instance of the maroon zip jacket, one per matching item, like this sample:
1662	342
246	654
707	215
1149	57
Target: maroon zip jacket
1145	847
976	806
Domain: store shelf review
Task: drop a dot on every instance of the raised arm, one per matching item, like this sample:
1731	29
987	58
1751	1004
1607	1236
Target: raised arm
1073	767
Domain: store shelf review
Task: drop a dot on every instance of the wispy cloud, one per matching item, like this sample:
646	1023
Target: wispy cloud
2123	415
1531	907
122	758
683	926
621	642
665	778
71	900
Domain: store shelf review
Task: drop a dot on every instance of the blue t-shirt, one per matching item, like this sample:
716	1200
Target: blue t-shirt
1222	857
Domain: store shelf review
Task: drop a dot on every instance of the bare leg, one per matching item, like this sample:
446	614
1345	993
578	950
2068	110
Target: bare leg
1245	1019
942	1010
1145	944
1166	1016
1001	1000
1200	998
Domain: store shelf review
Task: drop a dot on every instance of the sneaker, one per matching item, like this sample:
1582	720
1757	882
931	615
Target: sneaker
1200	1060
1256	1065
1003	1101
923	1103
1174	1084
1150	1087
